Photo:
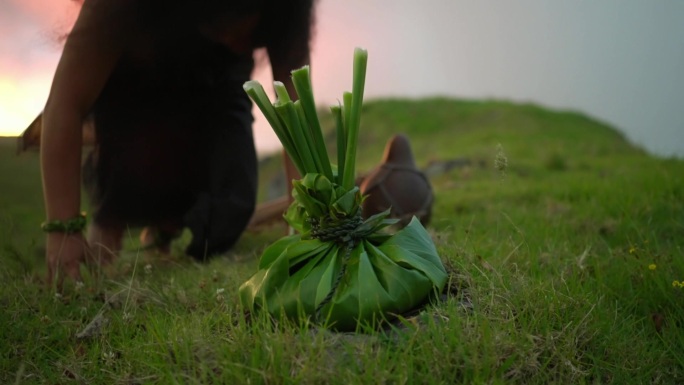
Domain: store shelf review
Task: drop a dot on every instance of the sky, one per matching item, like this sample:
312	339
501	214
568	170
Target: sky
619	61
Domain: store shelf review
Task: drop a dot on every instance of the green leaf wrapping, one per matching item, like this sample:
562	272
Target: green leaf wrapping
341	270
382	278
385	274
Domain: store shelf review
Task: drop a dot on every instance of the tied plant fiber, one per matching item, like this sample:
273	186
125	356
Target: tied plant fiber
339	269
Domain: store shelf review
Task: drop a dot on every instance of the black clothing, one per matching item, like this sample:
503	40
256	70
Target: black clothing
174	142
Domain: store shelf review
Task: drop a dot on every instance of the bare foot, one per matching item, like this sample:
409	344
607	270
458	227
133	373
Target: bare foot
159	237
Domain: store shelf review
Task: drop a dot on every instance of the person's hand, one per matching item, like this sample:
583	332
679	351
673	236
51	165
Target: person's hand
64	253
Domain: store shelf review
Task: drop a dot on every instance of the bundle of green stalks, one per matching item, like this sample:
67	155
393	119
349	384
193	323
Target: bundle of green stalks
339	269
298	128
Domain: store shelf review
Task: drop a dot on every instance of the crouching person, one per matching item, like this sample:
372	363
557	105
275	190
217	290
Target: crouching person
162	82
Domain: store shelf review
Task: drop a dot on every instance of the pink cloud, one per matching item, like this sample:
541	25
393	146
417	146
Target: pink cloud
30	31
29	50
46	12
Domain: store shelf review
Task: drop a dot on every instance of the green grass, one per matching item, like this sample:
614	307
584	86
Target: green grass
553	254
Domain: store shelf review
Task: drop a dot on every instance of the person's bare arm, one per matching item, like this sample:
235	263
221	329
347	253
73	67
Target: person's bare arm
90	53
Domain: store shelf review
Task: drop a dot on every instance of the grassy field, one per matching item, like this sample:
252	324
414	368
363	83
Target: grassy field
566	268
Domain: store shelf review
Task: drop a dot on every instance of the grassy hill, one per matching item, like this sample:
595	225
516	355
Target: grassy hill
571	258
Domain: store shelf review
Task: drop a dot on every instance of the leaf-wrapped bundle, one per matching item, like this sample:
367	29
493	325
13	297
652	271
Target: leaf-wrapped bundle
339	269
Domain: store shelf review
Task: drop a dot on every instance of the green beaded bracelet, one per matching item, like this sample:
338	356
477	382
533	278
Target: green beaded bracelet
73	225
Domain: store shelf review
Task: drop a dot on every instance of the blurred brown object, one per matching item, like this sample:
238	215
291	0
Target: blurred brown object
398	184
269	212
658	321
29	140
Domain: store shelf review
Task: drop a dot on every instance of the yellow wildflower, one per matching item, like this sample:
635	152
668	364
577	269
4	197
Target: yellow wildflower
675	284
652	266
632	249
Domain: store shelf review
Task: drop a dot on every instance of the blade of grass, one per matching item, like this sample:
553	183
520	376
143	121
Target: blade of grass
284	107
281	92
346	109
346	103
341	141
309	139
301	79
288	113
258	95
360	63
